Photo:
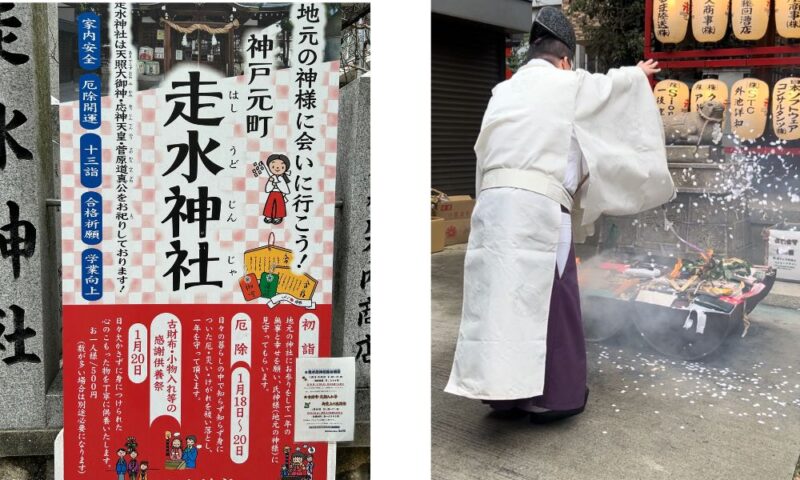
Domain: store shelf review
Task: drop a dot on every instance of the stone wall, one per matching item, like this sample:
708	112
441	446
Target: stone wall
351	289
29	298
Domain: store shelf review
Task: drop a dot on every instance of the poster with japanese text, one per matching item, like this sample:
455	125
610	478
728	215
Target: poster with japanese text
198	160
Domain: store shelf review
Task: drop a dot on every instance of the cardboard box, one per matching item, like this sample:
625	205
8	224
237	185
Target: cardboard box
783	250
437	234
456	207
456	231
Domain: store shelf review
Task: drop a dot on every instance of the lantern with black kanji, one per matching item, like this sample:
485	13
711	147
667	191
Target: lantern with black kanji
787	18
708	89
710	19
749	108
786	108
750	18
670	20
672	96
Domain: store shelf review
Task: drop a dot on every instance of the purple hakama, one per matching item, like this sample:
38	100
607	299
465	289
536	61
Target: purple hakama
565	362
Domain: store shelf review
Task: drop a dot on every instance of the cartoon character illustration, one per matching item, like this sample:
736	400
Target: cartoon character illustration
298	465
131	444
277	187
176	450
310	465
297	468
143	468
190	453
122	464
133	465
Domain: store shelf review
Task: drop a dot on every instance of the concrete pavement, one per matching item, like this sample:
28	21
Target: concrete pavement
734	416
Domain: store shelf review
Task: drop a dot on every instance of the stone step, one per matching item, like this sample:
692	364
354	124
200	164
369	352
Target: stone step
682	154
707	177
784	294
25	442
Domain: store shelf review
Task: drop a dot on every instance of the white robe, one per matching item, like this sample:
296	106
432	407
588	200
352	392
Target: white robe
523	174
276	183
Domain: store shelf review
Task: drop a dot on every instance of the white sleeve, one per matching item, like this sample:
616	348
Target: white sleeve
620	133
283	186
478	180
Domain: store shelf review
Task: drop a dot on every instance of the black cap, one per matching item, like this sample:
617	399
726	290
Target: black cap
552	21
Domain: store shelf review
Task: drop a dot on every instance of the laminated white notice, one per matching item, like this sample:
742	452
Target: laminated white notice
325	394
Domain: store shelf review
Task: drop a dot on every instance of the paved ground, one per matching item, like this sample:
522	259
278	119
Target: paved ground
734	416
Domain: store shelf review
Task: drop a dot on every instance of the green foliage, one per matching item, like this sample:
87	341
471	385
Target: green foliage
518	55
613	30
715	268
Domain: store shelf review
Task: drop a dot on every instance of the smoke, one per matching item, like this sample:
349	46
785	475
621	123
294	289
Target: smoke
604	315
615	306
751	177
645	358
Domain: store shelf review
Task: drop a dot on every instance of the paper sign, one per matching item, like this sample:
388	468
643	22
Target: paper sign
325	399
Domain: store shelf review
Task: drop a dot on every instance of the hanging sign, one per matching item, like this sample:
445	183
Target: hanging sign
198	261
672	96
749	108
750	18
710	19
670	20
708	89
786	108
787	18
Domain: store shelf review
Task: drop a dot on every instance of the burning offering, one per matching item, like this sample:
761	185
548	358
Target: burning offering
683	307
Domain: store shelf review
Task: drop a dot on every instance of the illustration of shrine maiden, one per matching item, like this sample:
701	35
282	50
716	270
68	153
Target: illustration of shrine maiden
176	451
277	188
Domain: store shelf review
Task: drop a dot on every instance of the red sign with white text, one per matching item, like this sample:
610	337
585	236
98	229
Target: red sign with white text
198	193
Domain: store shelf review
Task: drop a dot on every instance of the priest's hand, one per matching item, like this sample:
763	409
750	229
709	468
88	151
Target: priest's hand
649	67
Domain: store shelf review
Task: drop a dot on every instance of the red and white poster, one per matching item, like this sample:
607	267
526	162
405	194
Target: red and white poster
197	232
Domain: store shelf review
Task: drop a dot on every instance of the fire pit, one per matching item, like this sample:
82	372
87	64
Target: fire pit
683	308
